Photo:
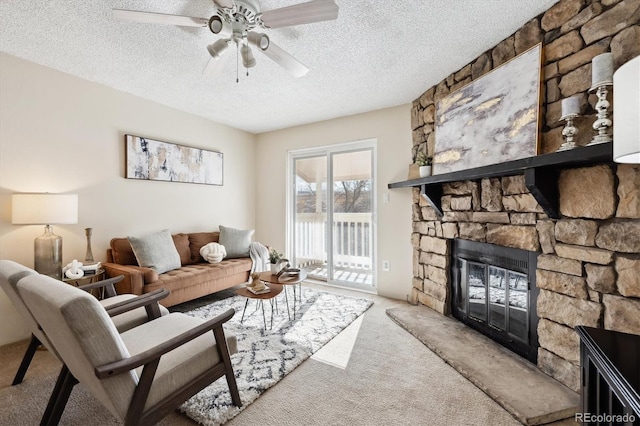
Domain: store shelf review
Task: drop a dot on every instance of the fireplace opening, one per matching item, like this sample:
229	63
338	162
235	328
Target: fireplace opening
494	291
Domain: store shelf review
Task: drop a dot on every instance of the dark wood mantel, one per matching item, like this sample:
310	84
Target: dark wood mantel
540	173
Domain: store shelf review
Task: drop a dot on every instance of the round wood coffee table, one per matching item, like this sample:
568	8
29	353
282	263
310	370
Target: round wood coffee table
275	288
287	280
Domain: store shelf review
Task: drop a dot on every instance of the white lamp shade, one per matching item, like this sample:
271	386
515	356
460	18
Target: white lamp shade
44	209
626	113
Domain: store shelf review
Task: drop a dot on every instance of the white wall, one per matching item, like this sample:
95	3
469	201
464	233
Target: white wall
392	129
61	134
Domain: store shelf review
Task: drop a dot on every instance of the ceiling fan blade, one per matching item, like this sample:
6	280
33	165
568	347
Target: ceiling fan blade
304	13
286	61
214	66
225	4
160	18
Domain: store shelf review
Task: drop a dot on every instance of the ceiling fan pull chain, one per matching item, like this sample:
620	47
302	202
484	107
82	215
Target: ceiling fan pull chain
237	63
246	64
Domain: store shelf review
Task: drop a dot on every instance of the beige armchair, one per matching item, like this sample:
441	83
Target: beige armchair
128	310
140	375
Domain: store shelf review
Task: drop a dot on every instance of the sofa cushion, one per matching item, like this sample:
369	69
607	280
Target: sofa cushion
122	252
235	241
197	280
199	273
199	239
181	241
156	251
150	275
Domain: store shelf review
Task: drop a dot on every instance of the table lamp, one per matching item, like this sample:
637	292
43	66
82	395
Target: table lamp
626	113
46	209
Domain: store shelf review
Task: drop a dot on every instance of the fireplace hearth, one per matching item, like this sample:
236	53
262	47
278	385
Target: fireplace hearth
493	291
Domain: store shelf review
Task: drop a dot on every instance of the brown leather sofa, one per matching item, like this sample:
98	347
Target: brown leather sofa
195	278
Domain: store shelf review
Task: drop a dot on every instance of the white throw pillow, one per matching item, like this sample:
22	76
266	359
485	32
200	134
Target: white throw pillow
213	252
156	251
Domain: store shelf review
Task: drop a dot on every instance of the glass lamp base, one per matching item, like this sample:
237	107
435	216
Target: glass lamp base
48	254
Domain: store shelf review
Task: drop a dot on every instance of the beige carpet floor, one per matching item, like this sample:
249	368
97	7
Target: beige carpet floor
373	373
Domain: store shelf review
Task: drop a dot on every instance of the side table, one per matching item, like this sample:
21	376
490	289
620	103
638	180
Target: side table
260	298
87	279
290	280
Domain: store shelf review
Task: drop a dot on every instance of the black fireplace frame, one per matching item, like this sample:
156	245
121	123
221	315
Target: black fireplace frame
518	260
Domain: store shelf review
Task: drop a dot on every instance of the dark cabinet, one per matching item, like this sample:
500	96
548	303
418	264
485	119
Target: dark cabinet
610	374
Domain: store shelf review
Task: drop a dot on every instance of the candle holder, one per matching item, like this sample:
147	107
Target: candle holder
603	122
569	133
89	256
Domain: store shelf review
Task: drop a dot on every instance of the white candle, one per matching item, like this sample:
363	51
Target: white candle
602	69
570	106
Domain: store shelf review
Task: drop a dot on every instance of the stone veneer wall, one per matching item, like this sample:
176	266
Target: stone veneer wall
589	266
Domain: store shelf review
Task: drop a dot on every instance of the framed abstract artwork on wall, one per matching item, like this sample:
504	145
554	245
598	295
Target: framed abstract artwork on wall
493	119
149	159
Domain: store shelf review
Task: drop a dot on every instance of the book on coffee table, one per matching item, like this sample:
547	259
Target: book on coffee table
292	274
91	268
266	289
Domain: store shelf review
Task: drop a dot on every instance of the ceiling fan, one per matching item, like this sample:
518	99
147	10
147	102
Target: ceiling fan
235	22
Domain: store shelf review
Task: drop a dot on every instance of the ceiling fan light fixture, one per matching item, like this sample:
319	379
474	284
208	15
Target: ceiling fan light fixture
218	48
219	26
261	41
248	60
234	20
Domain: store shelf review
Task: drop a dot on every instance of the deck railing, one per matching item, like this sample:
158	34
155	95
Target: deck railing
352	235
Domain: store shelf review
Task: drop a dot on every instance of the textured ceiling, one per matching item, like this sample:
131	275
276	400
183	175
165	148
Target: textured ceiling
377	54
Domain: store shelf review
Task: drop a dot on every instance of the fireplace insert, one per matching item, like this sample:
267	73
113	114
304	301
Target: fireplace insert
494	291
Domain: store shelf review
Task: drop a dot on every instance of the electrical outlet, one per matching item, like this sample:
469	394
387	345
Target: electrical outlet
385	265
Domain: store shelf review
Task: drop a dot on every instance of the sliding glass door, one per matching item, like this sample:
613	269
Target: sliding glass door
310	214
332	219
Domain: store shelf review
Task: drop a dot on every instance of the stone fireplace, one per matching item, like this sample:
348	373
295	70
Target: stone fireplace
588	262
587	268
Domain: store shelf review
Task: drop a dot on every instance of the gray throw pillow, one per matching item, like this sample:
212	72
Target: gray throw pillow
156	251
235	241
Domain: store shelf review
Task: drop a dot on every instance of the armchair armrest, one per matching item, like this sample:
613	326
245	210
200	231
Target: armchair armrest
109	289
154	354
149	301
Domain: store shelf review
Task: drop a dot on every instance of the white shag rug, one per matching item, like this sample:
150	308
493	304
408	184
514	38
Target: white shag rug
265	356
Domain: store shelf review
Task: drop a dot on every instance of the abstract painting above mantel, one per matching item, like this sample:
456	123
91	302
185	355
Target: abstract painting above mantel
149	159
492	119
